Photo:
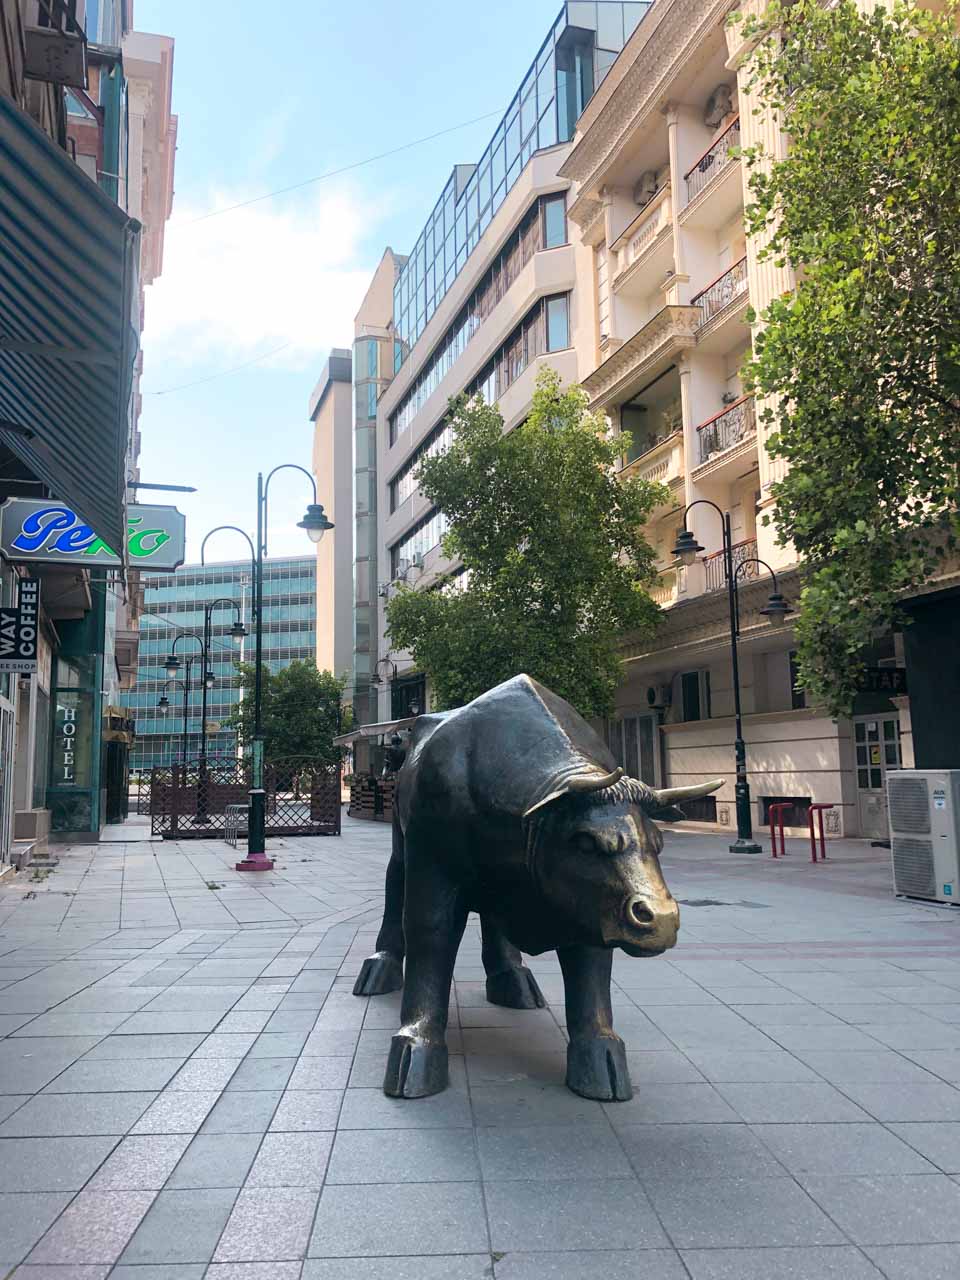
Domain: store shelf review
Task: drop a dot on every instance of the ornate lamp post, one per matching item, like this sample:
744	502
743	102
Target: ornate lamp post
315	523
237	632
164	702
687	549
173	666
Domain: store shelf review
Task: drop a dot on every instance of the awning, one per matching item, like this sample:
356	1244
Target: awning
373	731
69	259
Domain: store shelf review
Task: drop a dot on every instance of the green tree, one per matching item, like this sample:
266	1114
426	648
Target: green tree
553	542
301	711
862	361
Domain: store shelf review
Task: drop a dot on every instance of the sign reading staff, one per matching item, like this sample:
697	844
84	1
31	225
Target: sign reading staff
19	631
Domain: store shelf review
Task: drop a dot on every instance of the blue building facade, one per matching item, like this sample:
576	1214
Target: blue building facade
174	605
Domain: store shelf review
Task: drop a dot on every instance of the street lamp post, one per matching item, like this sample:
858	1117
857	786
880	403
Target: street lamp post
173	666
237	632
315	523
164	703
687	549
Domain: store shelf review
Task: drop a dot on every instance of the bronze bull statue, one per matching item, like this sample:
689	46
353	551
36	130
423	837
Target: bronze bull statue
512	807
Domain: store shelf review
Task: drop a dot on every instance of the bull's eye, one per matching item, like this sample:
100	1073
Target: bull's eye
585	843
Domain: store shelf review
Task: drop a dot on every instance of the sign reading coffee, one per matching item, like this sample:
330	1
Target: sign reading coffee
51	532
19	635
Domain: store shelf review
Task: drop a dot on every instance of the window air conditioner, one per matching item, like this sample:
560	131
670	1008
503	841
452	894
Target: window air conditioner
924	809
417	561
383	590
659	697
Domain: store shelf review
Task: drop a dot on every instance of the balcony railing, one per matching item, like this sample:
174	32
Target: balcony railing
641	234
728	428
713	161
724	290
715	575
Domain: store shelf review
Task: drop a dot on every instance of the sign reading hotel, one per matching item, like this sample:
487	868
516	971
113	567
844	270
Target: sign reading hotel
19	631
48	532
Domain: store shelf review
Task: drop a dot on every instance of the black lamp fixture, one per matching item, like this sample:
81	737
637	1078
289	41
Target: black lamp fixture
163	704
687	547
172	666
209	680
391	667
415	708
315	522
776	608
238	631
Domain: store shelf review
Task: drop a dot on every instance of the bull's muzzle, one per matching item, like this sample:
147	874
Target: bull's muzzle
651	924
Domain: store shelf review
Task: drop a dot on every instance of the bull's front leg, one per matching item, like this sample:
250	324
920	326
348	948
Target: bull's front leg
509	982
434	918
596	1058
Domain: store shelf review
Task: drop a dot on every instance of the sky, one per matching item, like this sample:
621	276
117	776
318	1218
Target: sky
266	103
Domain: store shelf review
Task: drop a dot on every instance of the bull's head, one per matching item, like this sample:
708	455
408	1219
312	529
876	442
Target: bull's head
595	853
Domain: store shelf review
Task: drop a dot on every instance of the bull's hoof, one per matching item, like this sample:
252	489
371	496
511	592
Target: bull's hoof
381	973
515	989
415	1068
597	1068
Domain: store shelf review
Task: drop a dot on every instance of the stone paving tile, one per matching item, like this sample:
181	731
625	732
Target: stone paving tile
730	1213
307	1110
891	1210
27	1064
72	1024
475	1266
215	1160
25	1218
322	1073
181	1226
922	1101
840	1262
141	1163
254	1271
50	1164
786	1103
41	1271
657	1264
525	1104
262	1073
938	1141
665	1152
203	1074
540	1216
142	1047
404	1155
92	1076
918	1262
831	1149
291	1160
243	1112
544	1152
95	1228
281	1234
76	1115
177	1112
415	1218
721	1066
689	1103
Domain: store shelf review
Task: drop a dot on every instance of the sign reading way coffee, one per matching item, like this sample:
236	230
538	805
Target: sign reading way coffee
45	531
19	639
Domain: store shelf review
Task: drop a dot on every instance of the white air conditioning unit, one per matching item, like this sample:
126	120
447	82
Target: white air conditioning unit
383	590
417	560
924	810
659	697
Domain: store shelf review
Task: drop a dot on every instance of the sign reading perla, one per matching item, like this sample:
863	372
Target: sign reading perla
51	532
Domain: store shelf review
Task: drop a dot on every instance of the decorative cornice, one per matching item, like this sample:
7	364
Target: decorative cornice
671	45
585	212
672	329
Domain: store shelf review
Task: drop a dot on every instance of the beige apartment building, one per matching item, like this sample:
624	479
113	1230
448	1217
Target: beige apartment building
659	201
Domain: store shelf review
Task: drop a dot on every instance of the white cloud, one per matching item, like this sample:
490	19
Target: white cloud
237	285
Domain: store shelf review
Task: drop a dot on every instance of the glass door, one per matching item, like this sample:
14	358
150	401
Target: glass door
632	741
877	744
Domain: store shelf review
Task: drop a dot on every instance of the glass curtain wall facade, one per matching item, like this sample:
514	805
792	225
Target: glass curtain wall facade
173	605
572	61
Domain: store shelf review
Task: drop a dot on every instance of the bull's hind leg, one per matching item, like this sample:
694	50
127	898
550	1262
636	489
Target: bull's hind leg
596	1058
434	917
509	982
383	971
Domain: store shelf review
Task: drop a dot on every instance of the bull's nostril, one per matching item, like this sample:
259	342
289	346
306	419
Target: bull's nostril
640	913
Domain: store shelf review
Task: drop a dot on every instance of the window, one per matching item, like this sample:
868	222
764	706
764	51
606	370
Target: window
798	695
554	222
558	326
695	695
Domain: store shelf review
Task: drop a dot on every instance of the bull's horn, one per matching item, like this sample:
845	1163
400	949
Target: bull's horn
593	781
677	795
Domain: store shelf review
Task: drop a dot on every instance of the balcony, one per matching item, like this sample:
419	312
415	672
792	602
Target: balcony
714	161
636	250
727	429
668	588
715	578
642	357
661	463
55	44
726	289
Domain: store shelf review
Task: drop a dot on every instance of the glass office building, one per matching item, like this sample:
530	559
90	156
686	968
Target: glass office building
174	605
581	47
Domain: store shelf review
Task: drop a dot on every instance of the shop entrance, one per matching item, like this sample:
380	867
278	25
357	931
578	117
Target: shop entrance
633	742
877	743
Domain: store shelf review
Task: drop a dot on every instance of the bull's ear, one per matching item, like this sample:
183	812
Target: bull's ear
542	804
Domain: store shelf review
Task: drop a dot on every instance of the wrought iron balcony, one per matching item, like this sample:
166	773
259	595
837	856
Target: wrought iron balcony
728	428
55	44
724	290
713	161
714	574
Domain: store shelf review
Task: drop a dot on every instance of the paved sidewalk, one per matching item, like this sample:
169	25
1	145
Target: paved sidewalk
188	1089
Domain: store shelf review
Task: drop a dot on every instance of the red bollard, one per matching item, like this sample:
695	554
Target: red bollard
819	810
775	813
